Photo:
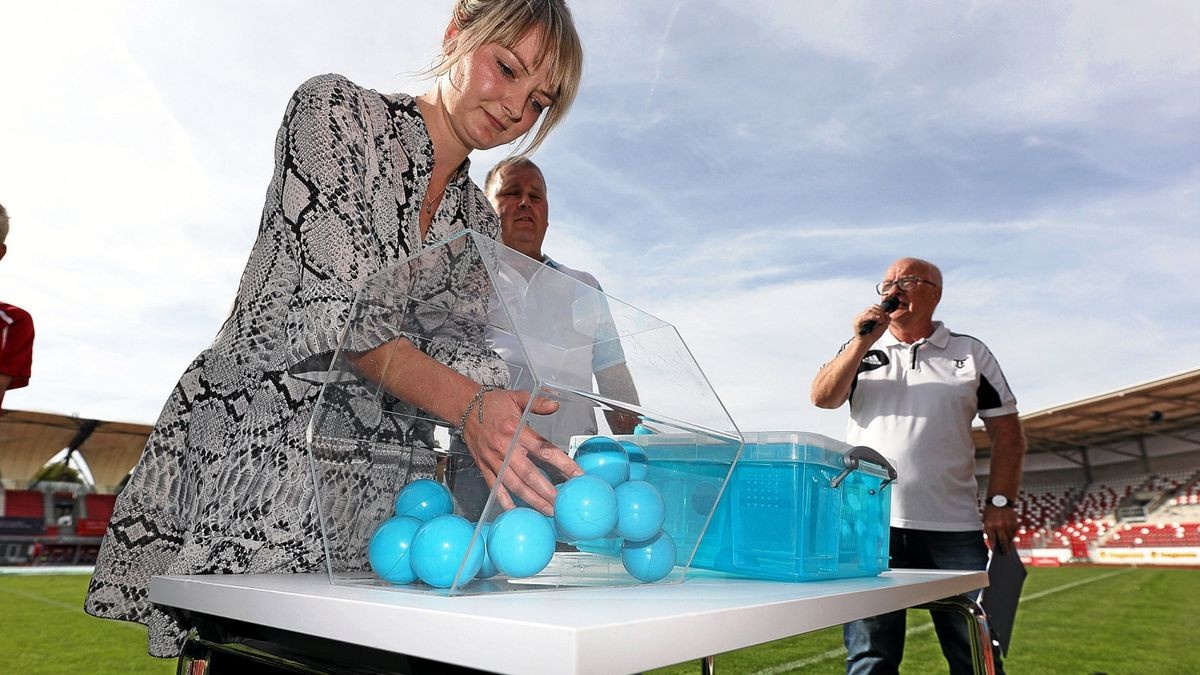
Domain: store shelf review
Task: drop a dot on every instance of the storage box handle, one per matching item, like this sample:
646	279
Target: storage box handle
861	452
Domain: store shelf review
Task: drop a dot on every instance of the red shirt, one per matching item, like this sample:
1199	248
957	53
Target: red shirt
16	344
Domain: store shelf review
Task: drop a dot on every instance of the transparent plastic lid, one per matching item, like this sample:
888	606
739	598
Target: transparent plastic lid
501	319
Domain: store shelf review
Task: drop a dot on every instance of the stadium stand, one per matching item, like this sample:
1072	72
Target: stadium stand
24	504
1189	495
1041	506
1066	516
1160	534
1129	458
99	507
96	511
61	521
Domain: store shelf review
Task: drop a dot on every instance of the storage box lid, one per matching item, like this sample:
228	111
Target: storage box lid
760	447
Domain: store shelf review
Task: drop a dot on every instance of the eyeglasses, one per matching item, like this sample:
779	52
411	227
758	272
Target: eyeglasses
904	283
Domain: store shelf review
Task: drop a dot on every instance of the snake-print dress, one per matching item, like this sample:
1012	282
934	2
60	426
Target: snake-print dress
224	484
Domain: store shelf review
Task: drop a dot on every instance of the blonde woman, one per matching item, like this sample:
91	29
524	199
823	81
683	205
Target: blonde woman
362	180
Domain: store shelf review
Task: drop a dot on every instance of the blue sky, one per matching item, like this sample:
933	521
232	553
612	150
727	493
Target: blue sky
743	170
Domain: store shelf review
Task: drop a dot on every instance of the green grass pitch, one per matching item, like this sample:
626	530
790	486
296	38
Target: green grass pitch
1112	620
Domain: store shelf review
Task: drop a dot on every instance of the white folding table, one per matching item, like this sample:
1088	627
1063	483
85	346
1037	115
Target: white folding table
560	632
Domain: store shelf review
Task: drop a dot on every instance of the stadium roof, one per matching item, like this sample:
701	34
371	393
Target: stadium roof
30	439
1168	407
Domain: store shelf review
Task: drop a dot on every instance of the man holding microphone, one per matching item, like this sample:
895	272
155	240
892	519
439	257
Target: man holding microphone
914	389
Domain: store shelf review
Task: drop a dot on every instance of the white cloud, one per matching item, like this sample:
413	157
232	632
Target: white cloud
998	63
743	171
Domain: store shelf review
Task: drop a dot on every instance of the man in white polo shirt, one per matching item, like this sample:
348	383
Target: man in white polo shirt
579	338
914	389
580	321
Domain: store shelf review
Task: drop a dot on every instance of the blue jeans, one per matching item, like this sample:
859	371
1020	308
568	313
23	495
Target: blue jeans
464	478
876	645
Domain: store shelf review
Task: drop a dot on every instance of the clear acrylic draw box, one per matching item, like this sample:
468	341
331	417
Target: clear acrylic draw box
404	505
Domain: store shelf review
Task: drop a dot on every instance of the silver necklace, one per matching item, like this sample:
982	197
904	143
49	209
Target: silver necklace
431	197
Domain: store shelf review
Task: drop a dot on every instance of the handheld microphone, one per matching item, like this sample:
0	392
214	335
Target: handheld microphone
889	305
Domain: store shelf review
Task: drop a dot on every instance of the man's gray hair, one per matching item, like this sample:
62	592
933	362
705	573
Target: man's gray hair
3	224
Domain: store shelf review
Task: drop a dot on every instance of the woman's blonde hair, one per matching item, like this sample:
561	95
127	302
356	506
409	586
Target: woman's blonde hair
506	22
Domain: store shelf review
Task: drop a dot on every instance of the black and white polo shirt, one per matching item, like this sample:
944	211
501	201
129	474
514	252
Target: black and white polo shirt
915	403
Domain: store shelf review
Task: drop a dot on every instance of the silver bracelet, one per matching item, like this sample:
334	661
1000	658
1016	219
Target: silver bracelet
477	401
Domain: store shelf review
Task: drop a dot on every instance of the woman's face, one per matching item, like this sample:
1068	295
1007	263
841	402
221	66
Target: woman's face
493	97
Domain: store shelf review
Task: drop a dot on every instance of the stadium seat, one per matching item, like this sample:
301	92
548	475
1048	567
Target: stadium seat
99	507
24	504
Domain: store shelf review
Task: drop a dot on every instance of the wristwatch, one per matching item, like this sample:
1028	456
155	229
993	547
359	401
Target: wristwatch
999	501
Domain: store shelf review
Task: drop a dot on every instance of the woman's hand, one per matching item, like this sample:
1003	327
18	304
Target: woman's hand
416	378
488	441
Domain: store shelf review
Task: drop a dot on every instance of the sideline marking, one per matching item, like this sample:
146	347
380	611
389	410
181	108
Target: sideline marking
54	570
61	605
39	598
1073	584
924	628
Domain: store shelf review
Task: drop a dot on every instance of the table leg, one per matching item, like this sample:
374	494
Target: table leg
977	629
198	655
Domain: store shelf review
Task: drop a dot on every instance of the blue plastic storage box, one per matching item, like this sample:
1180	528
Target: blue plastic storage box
798	506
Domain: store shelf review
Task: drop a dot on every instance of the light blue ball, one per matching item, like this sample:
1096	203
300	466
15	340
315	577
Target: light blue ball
605	458
640	510
390	549
487	568
521	542
586	508
638	465
559	535
649	560
609	546
441	546
424	499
